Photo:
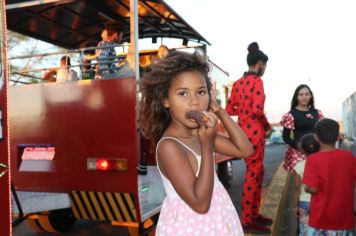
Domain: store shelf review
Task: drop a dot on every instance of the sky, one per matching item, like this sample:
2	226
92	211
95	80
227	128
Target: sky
312	42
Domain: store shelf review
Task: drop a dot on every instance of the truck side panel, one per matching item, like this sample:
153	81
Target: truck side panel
5	206
84	119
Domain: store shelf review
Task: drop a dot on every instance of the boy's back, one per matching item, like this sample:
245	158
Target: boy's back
333	173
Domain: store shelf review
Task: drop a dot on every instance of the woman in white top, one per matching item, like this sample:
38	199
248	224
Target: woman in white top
65	73
62	74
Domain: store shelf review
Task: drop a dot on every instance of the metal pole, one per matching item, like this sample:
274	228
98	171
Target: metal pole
134	37
35	2
134	50
5	206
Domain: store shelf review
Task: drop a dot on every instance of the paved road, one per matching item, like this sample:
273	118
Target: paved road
273	158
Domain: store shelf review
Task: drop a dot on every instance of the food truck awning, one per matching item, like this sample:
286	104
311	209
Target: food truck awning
78	23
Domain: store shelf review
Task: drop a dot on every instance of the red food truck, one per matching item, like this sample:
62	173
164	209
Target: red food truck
5	216
75	149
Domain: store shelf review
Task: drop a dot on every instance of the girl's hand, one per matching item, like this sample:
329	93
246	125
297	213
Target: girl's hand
214	106
268	133
207	131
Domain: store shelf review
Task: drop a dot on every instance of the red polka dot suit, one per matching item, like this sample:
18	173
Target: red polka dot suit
247	102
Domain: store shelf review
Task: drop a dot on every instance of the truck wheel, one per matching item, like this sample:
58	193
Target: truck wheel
225	173
53	221
34	224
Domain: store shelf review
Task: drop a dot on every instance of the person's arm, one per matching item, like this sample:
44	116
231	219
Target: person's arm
237	144
311	190
310	177
50	75
90	57
320	115
232	107
297	185
287	138
259	103
195	191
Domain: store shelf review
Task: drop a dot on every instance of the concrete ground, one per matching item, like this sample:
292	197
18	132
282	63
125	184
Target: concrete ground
288	225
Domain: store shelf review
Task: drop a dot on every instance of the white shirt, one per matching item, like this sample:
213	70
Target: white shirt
64	75
299	169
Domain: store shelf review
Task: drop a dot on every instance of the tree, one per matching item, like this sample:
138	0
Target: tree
26	70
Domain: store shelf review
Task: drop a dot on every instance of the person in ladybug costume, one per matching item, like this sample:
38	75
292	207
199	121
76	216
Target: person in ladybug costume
247	102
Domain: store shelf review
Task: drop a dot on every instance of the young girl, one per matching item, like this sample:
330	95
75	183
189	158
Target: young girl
308	146
196	203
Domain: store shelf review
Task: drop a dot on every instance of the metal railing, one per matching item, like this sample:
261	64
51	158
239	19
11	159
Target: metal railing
87	63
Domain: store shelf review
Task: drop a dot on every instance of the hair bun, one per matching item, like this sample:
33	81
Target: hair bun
253	47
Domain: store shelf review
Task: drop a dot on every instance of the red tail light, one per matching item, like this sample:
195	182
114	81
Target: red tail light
102	164
105	164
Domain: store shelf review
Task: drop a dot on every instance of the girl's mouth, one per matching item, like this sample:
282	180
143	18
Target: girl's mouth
197	116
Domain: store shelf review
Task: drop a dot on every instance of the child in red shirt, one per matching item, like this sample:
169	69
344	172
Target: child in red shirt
329	176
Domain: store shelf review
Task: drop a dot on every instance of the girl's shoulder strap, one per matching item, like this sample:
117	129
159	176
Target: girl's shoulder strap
177	140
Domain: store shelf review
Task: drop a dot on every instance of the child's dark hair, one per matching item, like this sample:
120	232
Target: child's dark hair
155	84
255	55
327	131
309	144
65	60
294	102
113	28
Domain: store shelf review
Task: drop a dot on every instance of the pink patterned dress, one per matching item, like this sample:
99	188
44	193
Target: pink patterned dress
177	218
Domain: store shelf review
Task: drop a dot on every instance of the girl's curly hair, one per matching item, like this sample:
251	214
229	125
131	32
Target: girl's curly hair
155	84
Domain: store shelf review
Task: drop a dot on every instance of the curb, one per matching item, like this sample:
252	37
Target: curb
273	201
